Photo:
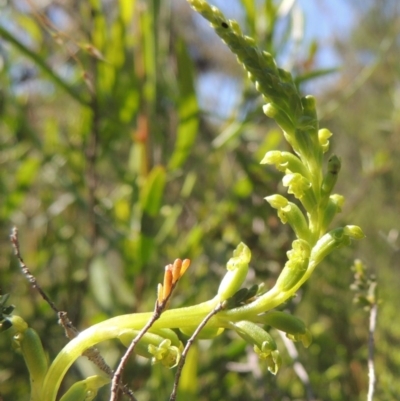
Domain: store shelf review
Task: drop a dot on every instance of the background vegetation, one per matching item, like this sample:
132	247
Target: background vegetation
129	136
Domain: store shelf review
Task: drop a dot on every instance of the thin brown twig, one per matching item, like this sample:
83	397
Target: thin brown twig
92	353
158	309
71	331
189	343
31	278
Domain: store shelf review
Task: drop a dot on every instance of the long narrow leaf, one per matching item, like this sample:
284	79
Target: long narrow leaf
188	109
4	34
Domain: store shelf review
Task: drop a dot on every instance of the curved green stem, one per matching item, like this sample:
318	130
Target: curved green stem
175	318
111	328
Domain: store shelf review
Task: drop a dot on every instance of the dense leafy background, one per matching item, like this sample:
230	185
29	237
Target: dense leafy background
129	136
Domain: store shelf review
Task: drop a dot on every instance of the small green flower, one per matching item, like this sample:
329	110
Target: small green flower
305	338
273	358
290	213
297	184
285	161
302	189
296	266
169	355
323	135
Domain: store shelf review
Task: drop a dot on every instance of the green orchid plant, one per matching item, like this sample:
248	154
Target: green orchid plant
244	310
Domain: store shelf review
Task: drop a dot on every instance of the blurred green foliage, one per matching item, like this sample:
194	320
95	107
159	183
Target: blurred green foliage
121	149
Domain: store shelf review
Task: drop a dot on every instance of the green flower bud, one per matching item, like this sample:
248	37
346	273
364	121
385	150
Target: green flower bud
286	78
19	324
294	328
204	8
282	119
85	390
237	267
334	239
255	335
284	322
323	135
354	232
296	266
285	161
290	213
333	207
269	62
235	27
308	121
277	201
331	176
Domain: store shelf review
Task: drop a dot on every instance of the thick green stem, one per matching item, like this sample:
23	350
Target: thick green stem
111	328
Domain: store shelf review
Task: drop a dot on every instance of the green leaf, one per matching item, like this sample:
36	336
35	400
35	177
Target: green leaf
315	74
146	249
170	222
153	190
188	109
228	135
100	282
148	28
250	8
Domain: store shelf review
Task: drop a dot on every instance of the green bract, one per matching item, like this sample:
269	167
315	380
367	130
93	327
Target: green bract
237	267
